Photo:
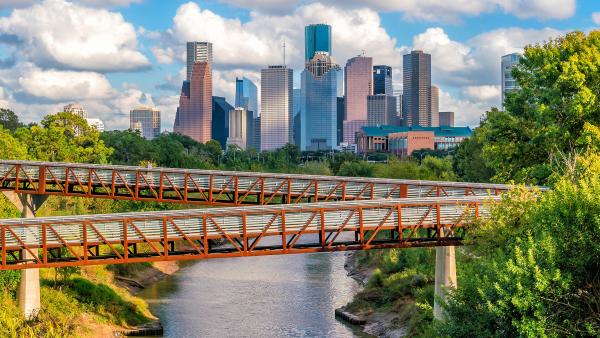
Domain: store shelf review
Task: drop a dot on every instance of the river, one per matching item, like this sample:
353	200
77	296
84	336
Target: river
268	296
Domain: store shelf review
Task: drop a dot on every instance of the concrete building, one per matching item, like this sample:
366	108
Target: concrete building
246	95
382	80
76	109
340	119
220	120
416	96
296	102
198	51
358	84
276	117
317	38
146	120
240	128
381	110
435	107
507	64
318	108
402	141
447	118
194	114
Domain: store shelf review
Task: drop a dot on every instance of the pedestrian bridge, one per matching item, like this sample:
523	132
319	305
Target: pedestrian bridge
266	214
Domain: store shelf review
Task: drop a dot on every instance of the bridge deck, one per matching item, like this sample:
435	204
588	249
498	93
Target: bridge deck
215	187
237	231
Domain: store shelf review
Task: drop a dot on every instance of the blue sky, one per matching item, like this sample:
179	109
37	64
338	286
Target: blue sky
112	55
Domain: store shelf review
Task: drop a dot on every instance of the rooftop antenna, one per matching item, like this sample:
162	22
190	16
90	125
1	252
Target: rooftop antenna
284	52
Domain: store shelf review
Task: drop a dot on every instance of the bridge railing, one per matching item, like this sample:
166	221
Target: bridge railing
215	187
237	231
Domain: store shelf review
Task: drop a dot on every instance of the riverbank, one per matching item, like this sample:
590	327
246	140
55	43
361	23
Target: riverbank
392	301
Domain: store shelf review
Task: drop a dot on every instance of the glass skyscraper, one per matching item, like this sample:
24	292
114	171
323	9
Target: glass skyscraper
382	80
317	38
146	120
246	95
358	84
198	51
318	107
417	89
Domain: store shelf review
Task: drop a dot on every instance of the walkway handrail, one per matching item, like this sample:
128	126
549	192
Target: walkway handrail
241	231
216	187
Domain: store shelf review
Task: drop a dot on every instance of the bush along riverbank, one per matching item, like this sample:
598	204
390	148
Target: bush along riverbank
397	294
86	302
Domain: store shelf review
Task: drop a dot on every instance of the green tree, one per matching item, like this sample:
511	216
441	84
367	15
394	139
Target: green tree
9	120
130	148
11	148
356	169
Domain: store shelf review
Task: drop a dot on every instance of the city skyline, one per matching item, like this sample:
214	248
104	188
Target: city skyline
146	63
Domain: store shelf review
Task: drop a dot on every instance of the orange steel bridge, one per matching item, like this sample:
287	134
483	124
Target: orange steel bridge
232	232
217	188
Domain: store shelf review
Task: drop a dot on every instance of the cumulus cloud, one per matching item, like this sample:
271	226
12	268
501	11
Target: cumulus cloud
59	34
95	3
433	10
483	93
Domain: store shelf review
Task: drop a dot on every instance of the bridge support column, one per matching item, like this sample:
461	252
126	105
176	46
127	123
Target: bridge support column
445	276
29	288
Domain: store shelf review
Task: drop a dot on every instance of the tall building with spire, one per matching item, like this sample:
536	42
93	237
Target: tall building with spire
276	116
358	85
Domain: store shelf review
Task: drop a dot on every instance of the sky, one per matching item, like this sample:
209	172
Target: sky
113	55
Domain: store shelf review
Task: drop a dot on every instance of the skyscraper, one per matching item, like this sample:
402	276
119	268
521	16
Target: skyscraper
246	95
296	111
382	80
240	127
417	89
276	117
317	38
146	120
434	116
318	108
358	84
382	110
509	84
220	120
198	51
194	114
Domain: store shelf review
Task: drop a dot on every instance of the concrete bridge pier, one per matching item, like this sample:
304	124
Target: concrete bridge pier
445	275
29	288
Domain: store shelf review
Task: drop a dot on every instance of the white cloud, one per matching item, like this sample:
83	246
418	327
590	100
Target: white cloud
466	112
95	3
596	18
483	93
59	34
57	85
433	10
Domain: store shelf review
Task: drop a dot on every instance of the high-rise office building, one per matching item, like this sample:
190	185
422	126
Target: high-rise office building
76	109
434	116
446	119
341	111
276	116
246	95
95	124
198	51
146	120
381	110
358	84
318	108
240	128
194	114
297	98
416	96
382	80
220	120
509	84
256	132
317	38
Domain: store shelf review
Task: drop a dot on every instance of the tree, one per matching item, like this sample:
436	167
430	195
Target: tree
11	148
543	120
9	120
130	148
